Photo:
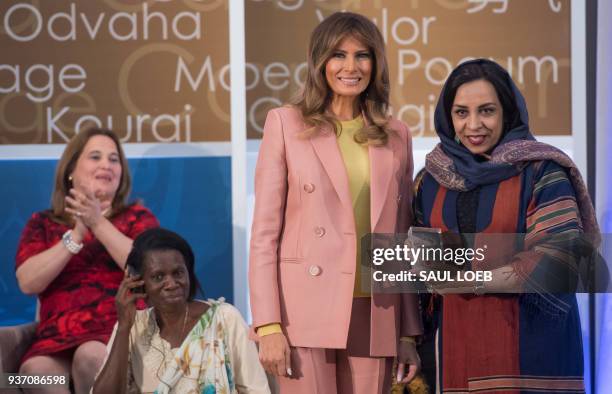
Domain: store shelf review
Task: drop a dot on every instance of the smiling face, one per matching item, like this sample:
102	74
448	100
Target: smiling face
98	168
349	69
166	278
477	116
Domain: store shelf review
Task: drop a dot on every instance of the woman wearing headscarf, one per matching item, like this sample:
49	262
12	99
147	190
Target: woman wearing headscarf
332	167
489	175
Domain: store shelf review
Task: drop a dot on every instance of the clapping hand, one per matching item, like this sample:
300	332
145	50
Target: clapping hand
86	207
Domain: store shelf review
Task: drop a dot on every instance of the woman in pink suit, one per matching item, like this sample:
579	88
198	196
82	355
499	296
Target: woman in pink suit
332	167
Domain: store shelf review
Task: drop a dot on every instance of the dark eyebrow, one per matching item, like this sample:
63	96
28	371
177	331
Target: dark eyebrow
480	106
99	152
156	272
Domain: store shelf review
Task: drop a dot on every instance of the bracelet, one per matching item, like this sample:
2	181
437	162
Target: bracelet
479	287
69	243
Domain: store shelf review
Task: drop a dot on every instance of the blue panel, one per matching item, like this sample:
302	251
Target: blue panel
191	196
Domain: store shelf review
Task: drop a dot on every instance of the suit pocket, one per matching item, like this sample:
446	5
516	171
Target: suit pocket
290	260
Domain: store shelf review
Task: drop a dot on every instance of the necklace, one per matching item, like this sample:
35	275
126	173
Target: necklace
181	334
185	319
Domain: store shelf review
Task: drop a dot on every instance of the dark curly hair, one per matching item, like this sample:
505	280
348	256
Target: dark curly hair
162	239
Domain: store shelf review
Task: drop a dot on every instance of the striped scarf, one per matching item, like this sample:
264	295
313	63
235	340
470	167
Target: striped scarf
519	153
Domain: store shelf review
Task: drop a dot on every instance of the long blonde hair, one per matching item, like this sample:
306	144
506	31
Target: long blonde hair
314	99
66	166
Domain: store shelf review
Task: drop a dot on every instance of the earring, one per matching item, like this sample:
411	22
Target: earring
457	140
70	178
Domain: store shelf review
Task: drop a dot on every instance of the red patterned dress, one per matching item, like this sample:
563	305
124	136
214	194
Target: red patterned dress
79	304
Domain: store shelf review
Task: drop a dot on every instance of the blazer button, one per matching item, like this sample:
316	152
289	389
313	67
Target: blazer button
319	231
309	188
314	270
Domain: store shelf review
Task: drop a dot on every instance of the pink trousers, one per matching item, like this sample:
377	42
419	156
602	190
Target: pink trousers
341	371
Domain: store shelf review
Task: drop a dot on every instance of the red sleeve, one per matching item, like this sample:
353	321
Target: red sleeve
33	239
140	219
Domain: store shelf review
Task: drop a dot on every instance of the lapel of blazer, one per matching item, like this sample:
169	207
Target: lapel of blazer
326	148
381	172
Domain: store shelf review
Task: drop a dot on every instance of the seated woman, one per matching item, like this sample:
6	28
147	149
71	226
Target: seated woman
179	344
73	254
489	175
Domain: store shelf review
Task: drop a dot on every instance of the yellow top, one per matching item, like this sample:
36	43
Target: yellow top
357	163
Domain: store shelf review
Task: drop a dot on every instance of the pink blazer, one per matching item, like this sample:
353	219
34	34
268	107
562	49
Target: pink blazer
302	259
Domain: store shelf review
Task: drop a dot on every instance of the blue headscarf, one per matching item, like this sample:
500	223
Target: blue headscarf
475	169
453	166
